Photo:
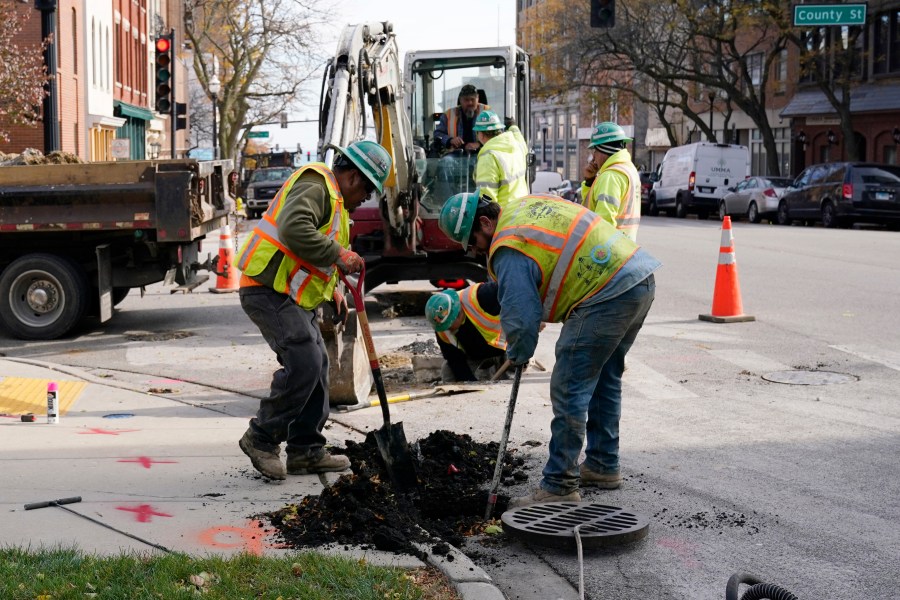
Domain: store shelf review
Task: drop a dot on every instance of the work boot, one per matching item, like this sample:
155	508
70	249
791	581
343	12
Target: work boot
267	462
541	495
604	481
321	462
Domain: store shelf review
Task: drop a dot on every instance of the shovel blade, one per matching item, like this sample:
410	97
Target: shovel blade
394	450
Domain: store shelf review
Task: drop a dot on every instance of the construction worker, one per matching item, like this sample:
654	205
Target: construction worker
612	184
557	261
502	160
454	130
289	264
467	326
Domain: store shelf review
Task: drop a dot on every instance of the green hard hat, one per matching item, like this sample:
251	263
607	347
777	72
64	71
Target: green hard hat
487	120
458	216
606	133
371	159
442	309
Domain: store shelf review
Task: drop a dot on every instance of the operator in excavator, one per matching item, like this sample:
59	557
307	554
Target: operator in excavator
454	130
502	161
467	325
289	264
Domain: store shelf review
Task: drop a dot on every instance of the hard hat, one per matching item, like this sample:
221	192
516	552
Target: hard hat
605	134
371	159
458	216
442	309
487	120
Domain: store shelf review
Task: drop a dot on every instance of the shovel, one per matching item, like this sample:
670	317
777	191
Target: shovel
390	438
498	468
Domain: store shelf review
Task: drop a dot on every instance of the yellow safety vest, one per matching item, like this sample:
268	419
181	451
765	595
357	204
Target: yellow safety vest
487	325
576	250
615	194
306	283
453	118
501	168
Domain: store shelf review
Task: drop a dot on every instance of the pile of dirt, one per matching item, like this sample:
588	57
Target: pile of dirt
363	509
30	156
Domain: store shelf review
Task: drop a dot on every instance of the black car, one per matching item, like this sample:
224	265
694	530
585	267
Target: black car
841	194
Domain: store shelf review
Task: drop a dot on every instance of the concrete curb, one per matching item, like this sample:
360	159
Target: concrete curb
470	581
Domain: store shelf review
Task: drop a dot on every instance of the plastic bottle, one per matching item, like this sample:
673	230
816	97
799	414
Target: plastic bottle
52	403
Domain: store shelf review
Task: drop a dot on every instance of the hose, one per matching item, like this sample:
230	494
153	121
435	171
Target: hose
757	591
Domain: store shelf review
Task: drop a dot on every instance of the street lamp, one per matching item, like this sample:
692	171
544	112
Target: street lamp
712	97
215	86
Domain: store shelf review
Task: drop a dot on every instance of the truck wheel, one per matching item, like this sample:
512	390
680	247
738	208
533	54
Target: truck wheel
653	209
723	212
44	296
680	211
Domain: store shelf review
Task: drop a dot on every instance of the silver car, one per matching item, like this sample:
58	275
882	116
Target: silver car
755	198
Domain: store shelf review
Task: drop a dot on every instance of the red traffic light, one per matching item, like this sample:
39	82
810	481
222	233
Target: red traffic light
163	45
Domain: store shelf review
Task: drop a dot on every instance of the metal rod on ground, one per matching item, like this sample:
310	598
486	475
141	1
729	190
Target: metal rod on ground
59	504
506	365
498	469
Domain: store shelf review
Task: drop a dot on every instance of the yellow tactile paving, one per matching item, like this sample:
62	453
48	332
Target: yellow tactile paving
21	395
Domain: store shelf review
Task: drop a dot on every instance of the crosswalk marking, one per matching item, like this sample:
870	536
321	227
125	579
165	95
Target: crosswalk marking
889	359
652	384
749	360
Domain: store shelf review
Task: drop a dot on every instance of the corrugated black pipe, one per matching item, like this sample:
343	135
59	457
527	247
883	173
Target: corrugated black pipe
767	591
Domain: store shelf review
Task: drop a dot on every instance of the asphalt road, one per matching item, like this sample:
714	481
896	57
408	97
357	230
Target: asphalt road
797	484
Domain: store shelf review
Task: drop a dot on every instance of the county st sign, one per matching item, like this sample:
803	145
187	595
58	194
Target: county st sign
806	15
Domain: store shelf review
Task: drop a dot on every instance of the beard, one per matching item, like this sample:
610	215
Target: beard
469	112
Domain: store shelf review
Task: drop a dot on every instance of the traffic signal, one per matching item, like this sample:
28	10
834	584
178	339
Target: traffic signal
164	74
603	13
180	115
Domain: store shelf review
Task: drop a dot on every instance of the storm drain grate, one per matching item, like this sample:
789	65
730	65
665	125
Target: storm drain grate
553	523
801	377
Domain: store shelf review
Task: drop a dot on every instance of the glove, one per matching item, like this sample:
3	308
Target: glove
341	310
349	261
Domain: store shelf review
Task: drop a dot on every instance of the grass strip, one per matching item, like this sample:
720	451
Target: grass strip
65	573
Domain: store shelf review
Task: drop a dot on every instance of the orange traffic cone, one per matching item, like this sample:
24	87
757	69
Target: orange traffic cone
726	305
226	273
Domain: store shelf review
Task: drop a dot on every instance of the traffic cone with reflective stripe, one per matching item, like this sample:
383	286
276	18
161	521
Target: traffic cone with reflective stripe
227	277
726	305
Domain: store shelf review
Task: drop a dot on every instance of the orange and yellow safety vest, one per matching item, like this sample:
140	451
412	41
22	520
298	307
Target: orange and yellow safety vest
615	193
453	118
487	325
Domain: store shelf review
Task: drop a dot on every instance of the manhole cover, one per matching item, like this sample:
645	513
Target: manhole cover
809	377
553	523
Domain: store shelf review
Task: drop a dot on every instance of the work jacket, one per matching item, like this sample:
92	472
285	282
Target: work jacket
309	285
488	325
501	169
615	193
576	250
450	125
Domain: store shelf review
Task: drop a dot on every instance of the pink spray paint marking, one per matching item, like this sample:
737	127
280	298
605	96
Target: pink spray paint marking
143	513
146	461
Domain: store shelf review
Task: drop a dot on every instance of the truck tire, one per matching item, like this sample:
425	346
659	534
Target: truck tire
680	210
653	210
43	296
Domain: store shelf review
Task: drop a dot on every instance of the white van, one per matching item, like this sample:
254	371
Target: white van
694	177
545	182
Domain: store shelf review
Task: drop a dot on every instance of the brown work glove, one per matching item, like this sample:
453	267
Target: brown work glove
349	261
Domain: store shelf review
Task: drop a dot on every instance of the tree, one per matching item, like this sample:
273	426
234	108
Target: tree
266	52
22	72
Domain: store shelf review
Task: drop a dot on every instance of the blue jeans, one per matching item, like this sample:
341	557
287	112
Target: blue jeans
297	406
586	385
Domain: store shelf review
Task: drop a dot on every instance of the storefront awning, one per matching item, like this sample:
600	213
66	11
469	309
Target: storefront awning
657	138
864	98
129	110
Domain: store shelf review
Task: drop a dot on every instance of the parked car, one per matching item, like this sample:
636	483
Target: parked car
646	186
840	194
695	177
263	186
570	190
755	198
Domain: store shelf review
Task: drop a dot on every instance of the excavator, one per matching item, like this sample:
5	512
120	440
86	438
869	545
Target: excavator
366	95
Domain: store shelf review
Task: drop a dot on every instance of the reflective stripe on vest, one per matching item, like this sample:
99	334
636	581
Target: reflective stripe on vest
487	325
576	250
453	118
306	283
629	216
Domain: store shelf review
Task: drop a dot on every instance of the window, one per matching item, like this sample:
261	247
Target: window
779	71
93	53
573	126
886	45
755	68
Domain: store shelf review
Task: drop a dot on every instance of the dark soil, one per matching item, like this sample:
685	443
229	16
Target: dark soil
363	509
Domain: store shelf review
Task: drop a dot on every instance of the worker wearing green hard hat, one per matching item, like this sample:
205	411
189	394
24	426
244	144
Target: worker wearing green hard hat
289	265
612	184
502	160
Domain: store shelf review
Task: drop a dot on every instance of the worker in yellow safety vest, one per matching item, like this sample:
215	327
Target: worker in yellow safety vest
502	160
467	326
289	267
612	185
559	262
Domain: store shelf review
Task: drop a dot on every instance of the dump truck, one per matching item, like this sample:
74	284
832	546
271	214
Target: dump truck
75	238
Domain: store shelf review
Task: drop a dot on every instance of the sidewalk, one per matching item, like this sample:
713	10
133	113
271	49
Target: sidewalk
168	472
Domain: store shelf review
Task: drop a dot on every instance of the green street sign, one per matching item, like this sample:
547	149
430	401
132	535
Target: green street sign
806	15
257	134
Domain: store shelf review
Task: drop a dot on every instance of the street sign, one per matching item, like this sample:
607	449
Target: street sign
258	134
806	15
120	148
